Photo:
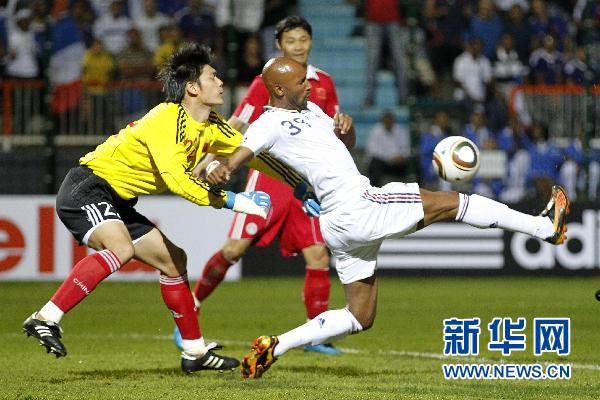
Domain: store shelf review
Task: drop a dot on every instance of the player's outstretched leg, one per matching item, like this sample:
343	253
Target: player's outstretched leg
260	358
47	332
481	212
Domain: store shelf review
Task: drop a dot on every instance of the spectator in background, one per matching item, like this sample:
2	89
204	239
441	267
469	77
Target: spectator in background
98	68
22	50
545	159
428	140
519	28
84	17
572	171
575	69
510	140
445	22
388	150
149	22
40	23
134	65
112	28
170	37
249	66
508	68
135	60
275	11
197	23
546	63
384	23
505	6
101	8
472	72
544	23
478	132
487	26
244	16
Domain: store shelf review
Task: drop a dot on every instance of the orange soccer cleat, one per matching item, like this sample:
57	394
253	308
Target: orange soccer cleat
260	357
557	210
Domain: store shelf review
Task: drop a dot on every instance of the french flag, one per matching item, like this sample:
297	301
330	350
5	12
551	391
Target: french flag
65	64
390	198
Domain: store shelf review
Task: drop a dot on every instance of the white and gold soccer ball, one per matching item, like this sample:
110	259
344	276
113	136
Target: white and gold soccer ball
456	159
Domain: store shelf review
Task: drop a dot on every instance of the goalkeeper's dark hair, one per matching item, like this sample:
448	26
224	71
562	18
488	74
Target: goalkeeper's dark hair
289	23
183	66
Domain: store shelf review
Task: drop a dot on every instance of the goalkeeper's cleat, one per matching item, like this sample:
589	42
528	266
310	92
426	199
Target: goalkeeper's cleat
48	333
557	209
210	361
260	358
325	348
177	339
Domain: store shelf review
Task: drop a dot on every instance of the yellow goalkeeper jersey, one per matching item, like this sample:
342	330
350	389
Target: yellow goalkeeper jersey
159	151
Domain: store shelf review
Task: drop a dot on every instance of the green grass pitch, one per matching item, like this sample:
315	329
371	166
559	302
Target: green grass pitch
119	342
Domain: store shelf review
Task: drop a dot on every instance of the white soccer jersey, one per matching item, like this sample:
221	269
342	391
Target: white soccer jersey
306	142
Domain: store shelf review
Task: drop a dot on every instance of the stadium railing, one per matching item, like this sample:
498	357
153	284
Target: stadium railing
22	111
74	114
569	111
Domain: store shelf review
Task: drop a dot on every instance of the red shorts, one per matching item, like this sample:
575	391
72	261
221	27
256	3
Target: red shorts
295	229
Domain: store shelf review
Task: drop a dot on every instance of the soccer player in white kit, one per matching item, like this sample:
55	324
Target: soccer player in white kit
355	216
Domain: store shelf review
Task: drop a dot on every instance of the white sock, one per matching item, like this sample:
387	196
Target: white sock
194	348
325	327
50	312
482	212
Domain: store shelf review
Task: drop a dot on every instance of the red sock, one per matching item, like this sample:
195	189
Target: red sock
316	291
213	273
178	298
84	277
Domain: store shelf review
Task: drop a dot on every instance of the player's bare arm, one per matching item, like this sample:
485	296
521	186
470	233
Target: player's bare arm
222	173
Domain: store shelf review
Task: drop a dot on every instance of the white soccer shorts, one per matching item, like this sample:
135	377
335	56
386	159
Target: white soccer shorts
355	232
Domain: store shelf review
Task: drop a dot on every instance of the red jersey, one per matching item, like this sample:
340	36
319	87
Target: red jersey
322	93
382	11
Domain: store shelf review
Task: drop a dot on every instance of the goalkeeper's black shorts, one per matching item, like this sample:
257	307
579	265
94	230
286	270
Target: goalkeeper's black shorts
85	201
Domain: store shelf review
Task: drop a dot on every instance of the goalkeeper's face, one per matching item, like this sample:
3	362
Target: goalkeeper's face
210	88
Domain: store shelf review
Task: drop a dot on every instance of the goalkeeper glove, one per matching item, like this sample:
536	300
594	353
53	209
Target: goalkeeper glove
255	203
310	204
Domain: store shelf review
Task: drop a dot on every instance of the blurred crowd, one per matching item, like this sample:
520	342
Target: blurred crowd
469	52
130	39
473	53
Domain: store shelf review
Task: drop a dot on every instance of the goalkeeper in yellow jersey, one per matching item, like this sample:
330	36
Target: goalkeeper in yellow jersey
158	152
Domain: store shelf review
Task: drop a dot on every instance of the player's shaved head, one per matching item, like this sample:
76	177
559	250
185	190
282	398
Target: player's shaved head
285	81
278	70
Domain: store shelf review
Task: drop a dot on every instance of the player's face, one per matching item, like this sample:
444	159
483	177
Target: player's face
298	88
211	87
295	44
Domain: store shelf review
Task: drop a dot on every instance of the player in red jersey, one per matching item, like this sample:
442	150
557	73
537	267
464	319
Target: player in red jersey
297	232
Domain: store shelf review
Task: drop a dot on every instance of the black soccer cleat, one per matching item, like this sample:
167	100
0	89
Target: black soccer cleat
47	332
210	361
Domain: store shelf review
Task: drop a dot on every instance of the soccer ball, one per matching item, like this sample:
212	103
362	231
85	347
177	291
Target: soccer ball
456	159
